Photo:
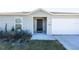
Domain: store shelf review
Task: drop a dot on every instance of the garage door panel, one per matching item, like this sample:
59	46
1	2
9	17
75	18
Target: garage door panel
65	26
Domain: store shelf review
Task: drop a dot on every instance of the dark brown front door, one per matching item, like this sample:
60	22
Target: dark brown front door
39	25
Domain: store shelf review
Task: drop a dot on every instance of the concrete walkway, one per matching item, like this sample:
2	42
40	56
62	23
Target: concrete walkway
39	36
71	42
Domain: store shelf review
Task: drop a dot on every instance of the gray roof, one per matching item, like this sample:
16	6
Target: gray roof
53	12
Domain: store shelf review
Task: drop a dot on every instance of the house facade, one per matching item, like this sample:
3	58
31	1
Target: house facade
41	21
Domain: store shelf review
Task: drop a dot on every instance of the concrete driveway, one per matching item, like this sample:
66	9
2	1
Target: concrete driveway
70	42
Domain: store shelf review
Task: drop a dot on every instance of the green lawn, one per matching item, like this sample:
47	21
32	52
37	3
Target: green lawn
33	45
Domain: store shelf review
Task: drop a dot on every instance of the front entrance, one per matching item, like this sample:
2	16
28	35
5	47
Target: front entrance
39	25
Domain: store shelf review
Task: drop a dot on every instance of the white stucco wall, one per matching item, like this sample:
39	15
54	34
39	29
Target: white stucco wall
9	20
28	23
65	24
49	25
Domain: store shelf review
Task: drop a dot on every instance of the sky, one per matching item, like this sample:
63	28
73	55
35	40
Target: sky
29	5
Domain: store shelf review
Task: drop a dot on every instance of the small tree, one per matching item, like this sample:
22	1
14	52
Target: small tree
5	27
1	34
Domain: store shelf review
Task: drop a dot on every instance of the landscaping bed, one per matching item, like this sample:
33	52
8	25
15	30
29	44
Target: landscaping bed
32	45
21	40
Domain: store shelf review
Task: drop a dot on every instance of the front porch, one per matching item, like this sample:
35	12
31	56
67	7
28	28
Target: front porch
42	36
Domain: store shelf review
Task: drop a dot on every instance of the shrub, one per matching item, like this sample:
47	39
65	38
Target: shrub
5	34
26	35
15	35
13	29
22	35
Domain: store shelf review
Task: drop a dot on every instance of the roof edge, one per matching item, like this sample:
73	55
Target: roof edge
29	13
39	10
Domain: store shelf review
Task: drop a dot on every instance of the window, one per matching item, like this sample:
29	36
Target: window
18	23
18	26
18	20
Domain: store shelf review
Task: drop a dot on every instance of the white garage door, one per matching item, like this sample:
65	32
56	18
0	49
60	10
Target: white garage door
65	25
